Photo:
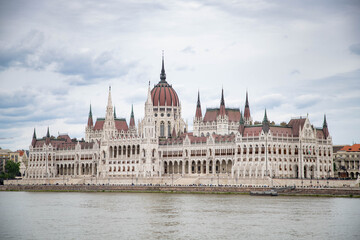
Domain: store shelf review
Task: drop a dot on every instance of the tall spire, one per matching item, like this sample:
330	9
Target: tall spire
222	103
324	123
198	100
265	123
109	98
325	128
162	74
247	116
241	119
33	142
48	133
90	120
109	111
149	100
132	119
198	113
247	100
265	120
222	97
34	135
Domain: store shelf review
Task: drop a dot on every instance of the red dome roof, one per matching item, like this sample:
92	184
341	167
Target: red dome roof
163	93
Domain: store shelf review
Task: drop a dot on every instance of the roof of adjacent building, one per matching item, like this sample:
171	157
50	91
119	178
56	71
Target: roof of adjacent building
353	148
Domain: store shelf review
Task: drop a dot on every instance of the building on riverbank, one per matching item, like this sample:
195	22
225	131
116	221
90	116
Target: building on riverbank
347	162
224	143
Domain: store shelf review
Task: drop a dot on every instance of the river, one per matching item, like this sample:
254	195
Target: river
54	215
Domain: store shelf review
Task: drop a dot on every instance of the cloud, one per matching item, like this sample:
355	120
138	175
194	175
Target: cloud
295	72
306	100
355	48
270	101
86	67
189	50
22	53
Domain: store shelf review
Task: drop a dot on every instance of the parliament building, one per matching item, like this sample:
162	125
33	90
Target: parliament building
224	142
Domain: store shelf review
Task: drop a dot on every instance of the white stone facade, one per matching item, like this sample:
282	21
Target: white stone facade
223	144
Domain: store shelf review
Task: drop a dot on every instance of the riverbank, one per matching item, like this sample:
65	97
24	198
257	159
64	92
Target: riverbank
316	192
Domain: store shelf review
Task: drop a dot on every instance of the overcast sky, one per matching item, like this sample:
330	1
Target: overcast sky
294	58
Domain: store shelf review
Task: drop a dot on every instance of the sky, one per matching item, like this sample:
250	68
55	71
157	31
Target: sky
293	57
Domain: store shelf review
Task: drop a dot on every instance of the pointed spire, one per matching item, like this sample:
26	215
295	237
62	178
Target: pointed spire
222	103
90	112
162	74
324	123
34	135
265	120
198	100
241	119
198	113
114	112
325	128
48	133
33	142
247	100
90	120
222	97
132	119
149	100
109	98
247	116
265	123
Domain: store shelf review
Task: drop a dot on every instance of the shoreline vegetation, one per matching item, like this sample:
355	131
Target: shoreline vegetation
297	192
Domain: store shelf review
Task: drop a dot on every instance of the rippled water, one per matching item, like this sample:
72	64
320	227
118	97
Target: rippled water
27	215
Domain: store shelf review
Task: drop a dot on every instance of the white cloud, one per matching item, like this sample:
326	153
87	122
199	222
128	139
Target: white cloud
293	57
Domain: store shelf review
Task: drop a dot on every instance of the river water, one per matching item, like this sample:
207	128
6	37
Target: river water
52	215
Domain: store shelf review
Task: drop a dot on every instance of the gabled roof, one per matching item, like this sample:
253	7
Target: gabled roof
280	130
120	124
295	123
212	113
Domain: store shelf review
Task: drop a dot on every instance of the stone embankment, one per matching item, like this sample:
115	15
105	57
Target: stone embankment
347	192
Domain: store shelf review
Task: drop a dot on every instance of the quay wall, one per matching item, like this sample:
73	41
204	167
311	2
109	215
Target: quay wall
178	180
184	189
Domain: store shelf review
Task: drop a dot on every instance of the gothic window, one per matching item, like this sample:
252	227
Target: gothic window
162	129
169	129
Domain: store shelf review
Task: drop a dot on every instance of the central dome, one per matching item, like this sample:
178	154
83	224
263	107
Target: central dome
163	94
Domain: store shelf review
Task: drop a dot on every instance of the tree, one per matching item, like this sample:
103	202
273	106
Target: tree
12	169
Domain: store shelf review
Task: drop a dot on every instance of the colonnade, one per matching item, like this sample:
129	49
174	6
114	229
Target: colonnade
197	167
76	169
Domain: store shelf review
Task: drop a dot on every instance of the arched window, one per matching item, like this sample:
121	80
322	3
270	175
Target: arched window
169	129
162	129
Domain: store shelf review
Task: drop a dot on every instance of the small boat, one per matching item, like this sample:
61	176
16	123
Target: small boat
263	193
